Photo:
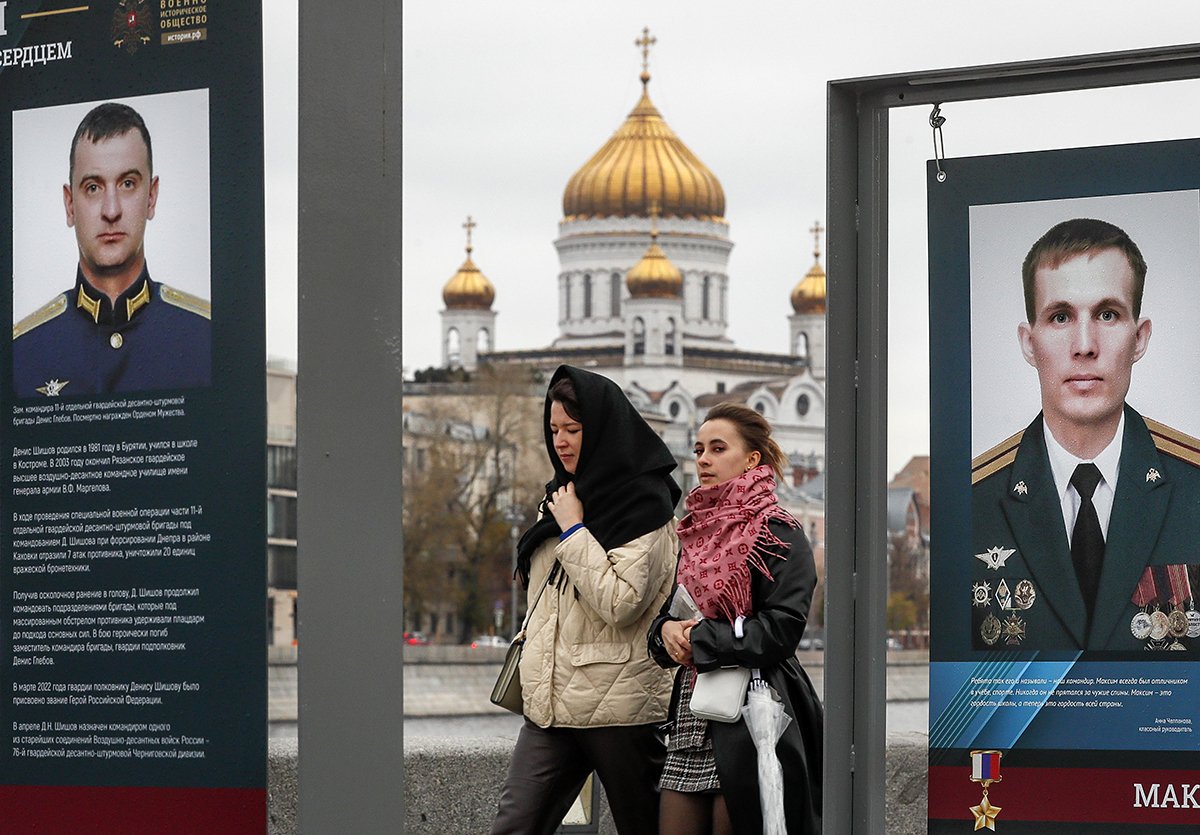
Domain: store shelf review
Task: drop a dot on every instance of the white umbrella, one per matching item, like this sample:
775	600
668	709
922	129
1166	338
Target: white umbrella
766	722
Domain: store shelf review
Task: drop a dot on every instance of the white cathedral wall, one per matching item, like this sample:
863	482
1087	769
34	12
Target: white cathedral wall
600	247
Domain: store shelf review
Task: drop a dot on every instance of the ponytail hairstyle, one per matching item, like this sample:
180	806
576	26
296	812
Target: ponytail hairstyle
754	431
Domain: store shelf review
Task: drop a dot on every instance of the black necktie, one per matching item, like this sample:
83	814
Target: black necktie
1087	542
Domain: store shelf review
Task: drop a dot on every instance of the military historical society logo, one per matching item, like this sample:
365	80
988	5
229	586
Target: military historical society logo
131	25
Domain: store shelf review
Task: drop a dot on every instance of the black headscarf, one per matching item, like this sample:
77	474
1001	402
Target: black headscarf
622	477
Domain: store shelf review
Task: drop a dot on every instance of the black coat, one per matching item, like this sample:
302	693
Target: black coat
770	638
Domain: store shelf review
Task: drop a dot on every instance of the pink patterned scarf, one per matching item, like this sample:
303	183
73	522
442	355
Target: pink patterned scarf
723	535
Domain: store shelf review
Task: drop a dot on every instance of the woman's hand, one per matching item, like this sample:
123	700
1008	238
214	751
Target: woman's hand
677	638
565	506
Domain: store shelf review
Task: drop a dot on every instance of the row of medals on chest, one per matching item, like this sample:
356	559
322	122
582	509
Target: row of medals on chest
1163	619
1160	629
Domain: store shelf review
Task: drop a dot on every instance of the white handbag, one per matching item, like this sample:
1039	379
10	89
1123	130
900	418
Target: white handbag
720	694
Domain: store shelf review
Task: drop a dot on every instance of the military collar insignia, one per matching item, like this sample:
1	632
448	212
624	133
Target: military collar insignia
98	308
1020	489
1152	475
138	300
995	557
87	304
53	388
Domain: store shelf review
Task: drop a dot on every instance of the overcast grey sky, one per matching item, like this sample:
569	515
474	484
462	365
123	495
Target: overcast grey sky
504	101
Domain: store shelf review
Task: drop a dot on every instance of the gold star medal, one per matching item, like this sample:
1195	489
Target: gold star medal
985	770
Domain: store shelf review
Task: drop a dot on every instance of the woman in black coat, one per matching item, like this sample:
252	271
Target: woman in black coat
753	616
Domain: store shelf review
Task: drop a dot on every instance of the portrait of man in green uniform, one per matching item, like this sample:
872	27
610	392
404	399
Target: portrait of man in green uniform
1086	523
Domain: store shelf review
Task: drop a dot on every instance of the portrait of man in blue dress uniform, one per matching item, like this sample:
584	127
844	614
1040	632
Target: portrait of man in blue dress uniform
1086	523
117	329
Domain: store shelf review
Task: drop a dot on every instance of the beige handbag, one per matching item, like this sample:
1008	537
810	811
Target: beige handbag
507	691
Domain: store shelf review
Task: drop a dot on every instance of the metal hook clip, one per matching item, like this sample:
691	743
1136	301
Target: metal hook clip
936	120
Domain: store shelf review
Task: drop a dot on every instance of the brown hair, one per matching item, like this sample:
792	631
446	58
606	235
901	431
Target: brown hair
564	392
1076	237
754	431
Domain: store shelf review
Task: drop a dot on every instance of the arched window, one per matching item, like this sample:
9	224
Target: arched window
802	345
639	336
670	341
760	407
614	301
587	296
674	409
803	404
705	288
453	347
483	341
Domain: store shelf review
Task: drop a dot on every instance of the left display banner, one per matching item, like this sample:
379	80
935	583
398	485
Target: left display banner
132	418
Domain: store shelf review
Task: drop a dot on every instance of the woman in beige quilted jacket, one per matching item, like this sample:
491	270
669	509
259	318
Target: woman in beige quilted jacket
604	550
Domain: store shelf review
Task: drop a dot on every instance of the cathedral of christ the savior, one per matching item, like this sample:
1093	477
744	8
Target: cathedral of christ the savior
643	248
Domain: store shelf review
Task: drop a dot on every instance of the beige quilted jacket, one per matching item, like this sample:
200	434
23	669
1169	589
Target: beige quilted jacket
585	662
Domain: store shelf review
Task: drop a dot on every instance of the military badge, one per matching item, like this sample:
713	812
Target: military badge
990	629
53	388
1024	595
1014	630
995	557
1002	595
1152	475
1020	489
981	594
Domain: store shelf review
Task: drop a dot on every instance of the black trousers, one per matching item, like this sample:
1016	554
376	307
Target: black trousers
550	765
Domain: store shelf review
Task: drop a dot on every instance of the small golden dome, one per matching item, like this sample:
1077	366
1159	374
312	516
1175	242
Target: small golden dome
643	162
468	289
654	277
809	295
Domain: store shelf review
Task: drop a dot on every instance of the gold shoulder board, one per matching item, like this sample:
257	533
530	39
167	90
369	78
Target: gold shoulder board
996	458
1174	443
41	316
190	303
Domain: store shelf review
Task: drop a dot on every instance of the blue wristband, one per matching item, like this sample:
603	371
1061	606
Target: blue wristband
570	531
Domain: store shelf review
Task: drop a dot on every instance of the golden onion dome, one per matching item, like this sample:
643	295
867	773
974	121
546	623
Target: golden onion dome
644	162
468	289
654	277
809	295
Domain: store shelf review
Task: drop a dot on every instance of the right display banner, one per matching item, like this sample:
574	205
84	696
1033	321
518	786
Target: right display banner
1064	691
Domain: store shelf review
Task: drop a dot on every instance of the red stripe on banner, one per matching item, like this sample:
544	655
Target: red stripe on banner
83	810
1076	795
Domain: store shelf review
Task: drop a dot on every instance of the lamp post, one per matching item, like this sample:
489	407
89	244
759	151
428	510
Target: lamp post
514	516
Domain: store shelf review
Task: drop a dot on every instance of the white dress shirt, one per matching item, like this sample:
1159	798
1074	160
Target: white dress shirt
1063	464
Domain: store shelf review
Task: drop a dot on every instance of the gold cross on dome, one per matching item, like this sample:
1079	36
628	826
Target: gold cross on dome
469	225
816	230
645	42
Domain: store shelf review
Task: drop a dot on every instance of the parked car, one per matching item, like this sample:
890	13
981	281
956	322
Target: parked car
415	638
807	643
892	644
489	641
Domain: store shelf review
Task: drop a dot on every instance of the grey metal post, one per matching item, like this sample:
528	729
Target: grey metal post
856	446
855	657
348	419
